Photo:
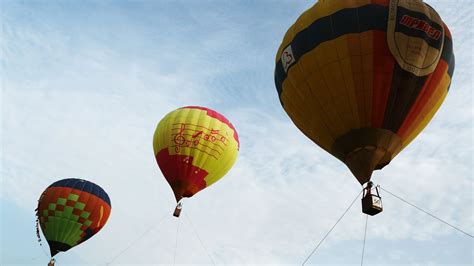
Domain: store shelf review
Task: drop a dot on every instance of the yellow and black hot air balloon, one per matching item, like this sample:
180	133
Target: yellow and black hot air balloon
194	147
362	78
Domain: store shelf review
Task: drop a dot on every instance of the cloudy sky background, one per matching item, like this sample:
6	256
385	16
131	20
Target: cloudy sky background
84	84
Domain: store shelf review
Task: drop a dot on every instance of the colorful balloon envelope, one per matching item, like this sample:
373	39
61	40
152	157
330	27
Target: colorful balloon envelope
194	147
363	78
70	211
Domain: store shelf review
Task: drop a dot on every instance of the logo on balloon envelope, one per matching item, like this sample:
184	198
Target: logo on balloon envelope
415	36
287	58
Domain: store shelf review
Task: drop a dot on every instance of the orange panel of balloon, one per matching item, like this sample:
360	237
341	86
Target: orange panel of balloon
70	211
362	79
194	147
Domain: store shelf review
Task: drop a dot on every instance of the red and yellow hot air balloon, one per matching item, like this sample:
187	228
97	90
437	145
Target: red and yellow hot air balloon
194	147
70	211
362	78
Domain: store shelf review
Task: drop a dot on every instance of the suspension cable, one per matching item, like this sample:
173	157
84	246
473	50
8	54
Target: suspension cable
433	216
199	238
363	245
45	251
327	234
137	239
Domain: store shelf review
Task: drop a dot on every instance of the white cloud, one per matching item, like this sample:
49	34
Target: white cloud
81	105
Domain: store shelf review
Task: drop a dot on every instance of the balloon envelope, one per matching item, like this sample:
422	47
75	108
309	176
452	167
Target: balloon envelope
363	78
194	147
70	211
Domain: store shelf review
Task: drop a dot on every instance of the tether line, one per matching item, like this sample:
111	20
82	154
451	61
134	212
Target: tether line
199	238
363	245
433	216
327	234
140	237
176	243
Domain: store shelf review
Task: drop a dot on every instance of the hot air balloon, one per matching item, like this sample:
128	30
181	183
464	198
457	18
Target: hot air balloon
70	211
194	147
362	78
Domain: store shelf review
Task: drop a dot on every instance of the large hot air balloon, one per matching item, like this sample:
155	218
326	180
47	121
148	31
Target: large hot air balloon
362	78
70	211
194	147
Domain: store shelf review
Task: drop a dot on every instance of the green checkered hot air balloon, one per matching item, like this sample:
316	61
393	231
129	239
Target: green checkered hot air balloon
70	211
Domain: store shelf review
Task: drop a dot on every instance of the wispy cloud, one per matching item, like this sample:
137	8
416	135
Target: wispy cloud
84	85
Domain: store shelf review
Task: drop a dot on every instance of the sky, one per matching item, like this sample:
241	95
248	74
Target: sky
84	84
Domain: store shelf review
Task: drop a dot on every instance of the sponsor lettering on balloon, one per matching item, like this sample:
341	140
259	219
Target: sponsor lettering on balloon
422	25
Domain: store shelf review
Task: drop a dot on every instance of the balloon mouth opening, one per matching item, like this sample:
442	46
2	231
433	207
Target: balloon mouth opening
365	150
55	247
179	197
181	189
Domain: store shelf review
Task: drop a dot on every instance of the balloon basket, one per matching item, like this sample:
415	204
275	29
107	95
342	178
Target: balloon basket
371	203
177	210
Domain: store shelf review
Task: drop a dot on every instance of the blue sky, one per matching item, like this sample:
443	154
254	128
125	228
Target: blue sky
84	83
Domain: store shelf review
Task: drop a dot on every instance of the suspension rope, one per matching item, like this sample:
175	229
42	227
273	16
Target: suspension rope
327	234
363	245
176	243
46	253
433	216
199	238
137	239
